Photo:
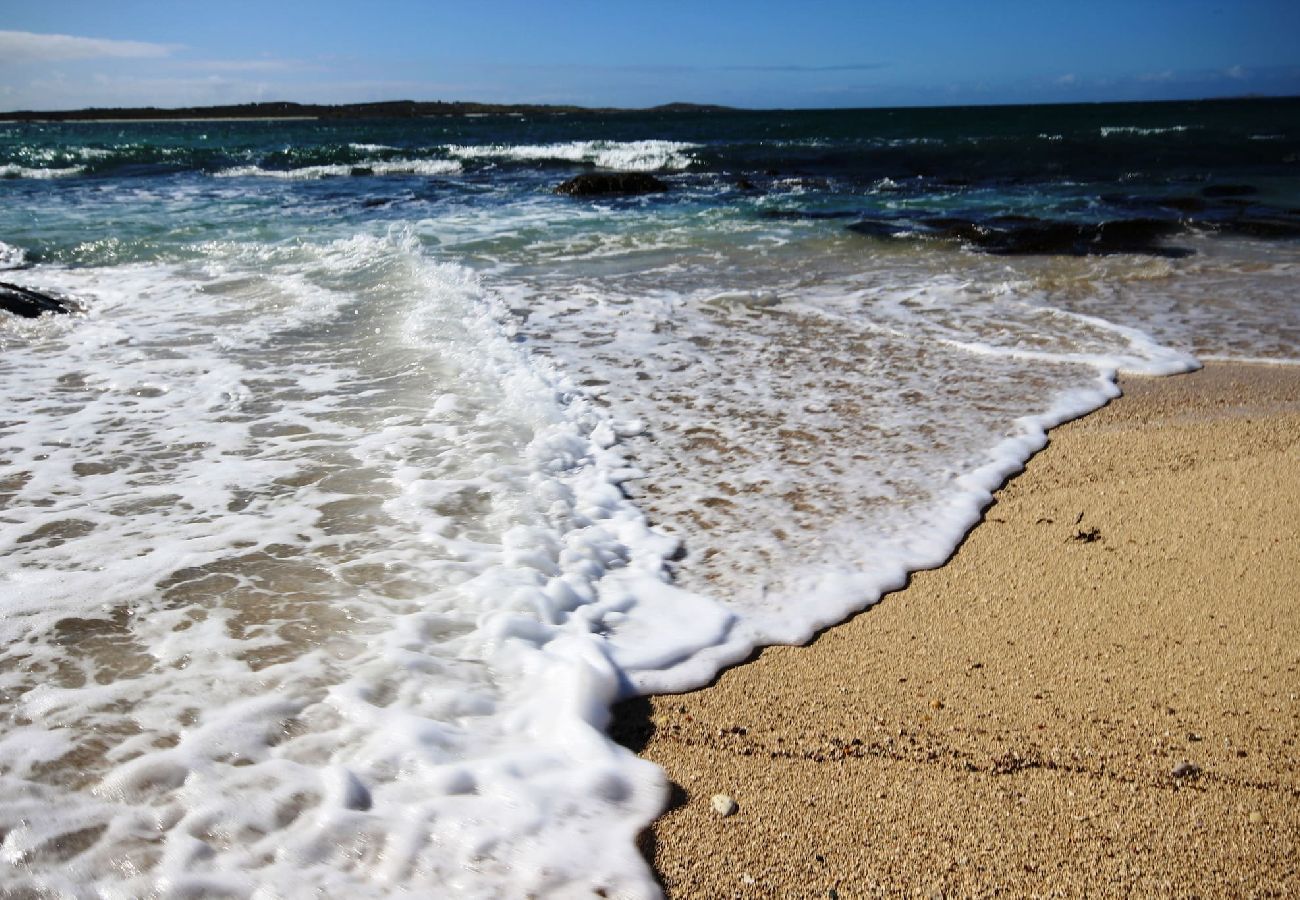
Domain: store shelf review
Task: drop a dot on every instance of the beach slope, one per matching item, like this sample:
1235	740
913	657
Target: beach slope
1098	693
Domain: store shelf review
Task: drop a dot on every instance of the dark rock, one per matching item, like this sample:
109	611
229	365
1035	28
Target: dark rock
29	304
1080	238
954	228
744	184
1017	235
1182	204
1229	190
610	184
1262	225
881	228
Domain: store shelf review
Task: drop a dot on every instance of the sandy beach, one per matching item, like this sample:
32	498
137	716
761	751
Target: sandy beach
1098	694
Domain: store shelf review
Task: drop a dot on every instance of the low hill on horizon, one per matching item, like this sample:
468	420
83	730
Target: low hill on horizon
388	109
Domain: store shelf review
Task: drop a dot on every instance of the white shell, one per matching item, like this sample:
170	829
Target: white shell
723	805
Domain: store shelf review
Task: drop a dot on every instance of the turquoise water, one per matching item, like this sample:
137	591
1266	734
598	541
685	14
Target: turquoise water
373	471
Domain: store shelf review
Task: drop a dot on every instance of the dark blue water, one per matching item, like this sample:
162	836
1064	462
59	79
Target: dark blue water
1227	166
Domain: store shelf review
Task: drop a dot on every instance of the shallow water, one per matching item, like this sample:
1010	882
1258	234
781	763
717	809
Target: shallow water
374	472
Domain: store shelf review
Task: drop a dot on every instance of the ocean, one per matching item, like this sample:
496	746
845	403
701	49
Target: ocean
370	471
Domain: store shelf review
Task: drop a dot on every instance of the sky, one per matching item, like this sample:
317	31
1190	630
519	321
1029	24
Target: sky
67	54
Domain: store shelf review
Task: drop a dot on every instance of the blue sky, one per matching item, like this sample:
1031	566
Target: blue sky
61	54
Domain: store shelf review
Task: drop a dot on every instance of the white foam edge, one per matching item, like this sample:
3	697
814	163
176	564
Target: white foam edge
641	156
17	171
1148	356
837	595
1250	360
344	170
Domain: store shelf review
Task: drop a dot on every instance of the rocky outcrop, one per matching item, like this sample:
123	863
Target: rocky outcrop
1229	190
1027	236
29	304
611	184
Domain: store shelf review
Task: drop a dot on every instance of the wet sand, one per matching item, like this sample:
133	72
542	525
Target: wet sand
1099	694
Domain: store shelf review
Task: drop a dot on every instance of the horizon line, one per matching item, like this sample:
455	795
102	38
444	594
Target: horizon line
490	107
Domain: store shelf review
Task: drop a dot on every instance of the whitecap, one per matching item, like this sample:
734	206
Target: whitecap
631	156
428	167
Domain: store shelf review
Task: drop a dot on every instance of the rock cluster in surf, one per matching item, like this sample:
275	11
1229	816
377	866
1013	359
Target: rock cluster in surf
611	184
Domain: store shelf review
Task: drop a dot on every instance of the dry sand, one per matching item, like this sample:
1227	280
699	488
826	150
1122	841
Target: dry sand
1098	695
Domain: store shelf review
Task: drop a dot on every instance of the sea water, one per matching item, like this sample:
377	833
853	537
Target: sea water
371	472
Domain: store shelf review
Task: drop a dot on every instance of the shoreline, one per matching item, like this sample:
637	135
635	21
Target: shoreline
1097	693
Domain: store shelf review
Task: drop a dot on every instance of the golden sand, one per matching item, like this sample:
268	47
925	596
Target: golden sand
1099	693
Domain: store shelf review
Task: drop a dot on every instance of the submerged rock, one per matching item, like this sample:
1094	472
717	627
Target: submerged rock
1083	239
29	304
801	215
1014	235
1229	190
611	184
1261	225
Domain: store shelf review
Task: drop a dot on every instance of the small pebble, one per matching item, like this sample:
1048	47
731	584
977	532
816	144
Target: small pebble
936	703
723	805
1185	770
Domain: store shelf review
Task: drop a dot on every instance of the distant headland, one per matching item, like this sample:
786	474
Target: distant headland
390	109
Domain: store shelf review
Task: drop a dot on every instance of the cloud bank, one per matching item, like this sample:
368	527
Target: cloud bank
27	47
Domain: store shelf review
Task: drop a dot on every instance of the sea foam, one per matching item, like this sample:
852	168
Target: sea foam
368	612
344	170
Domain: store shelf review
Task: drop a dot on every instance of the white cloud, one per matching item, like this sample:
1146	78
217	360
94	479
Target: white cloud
1236	72
27	47
1068	79
244	65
